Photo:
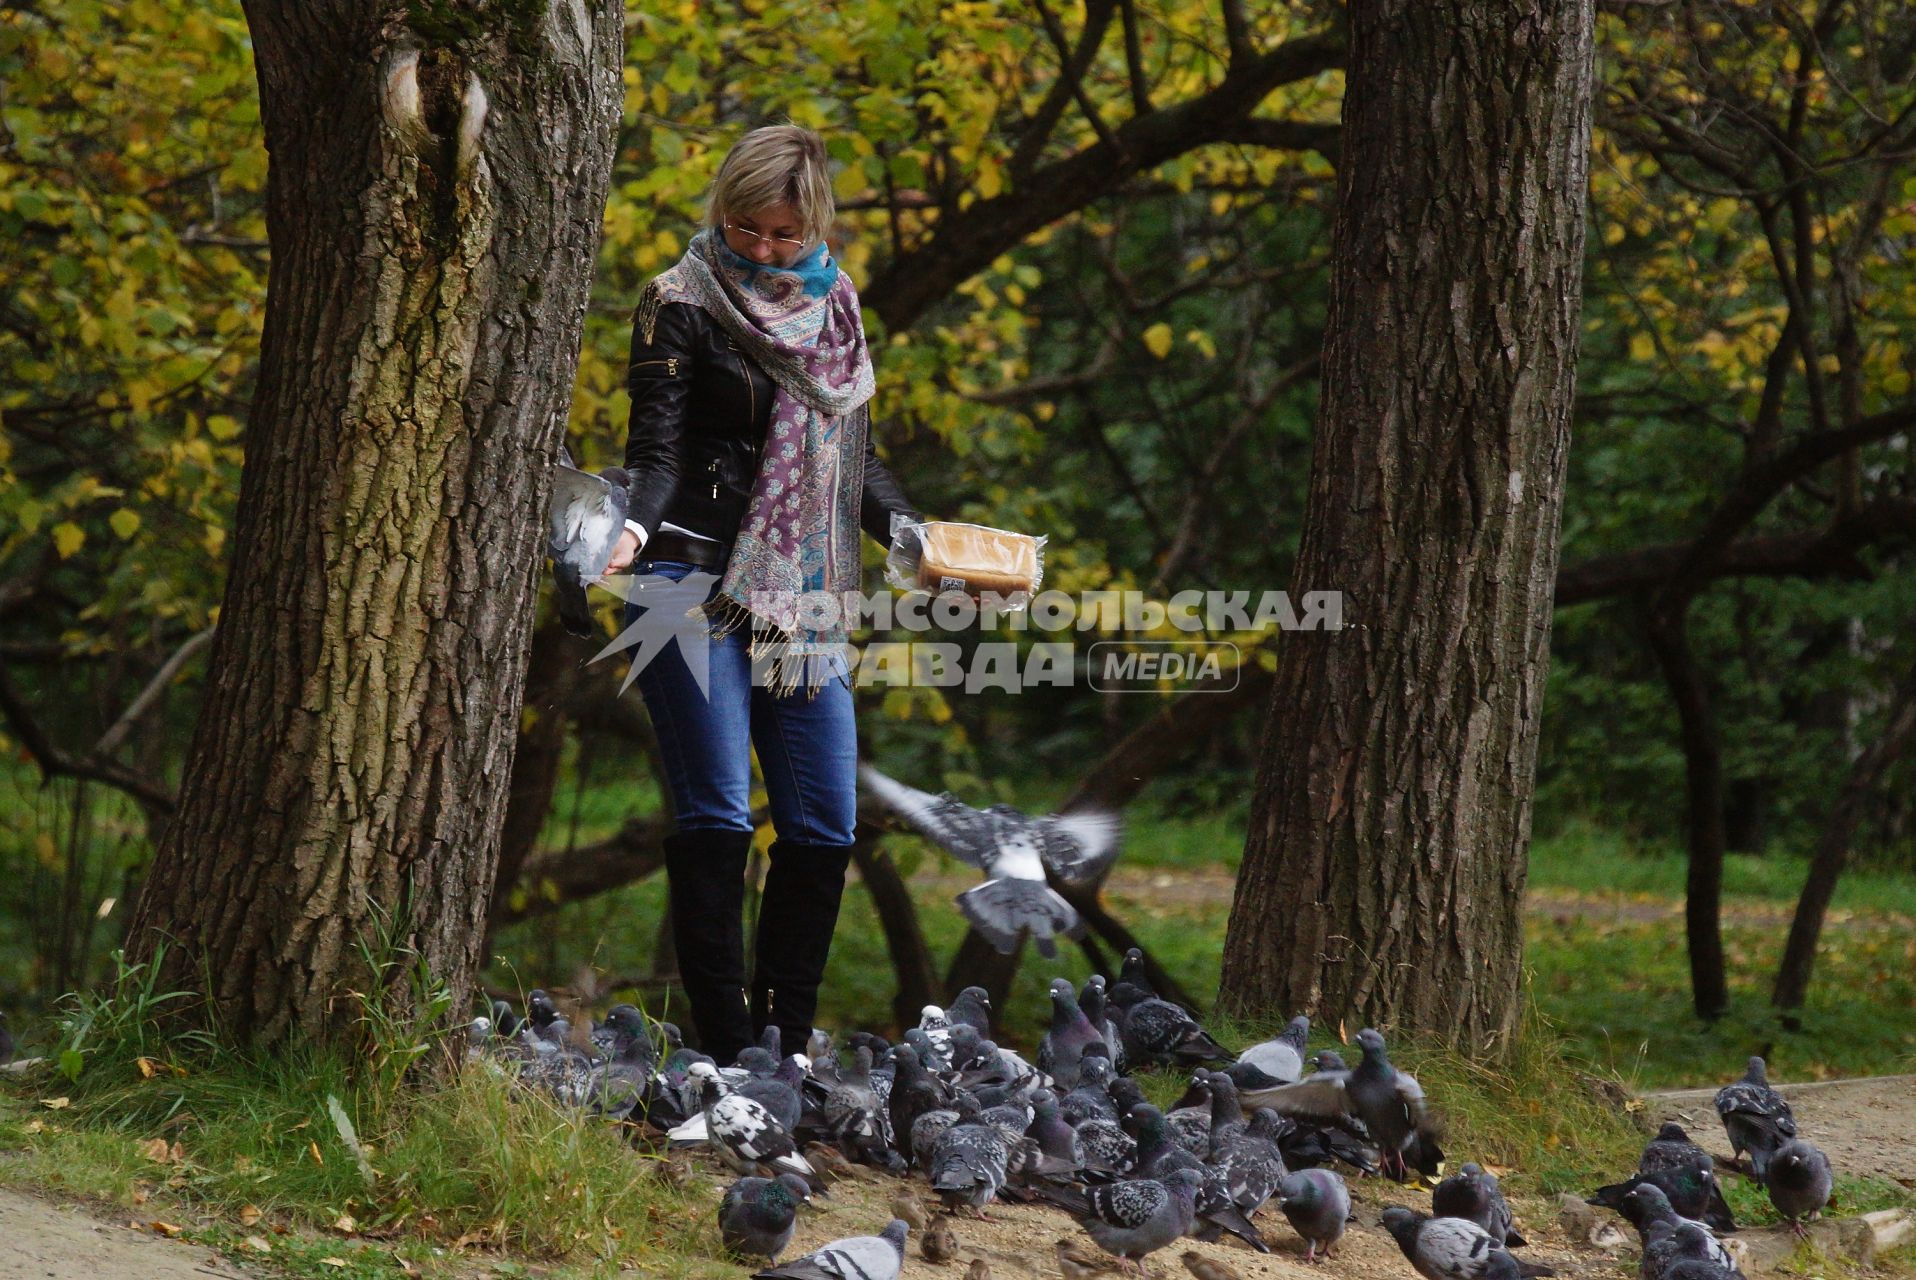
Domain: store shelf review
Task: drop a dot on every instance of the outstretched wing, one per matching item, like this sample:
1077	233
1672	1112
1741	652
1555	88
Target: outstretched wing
1320	1097
584	518
1078	847
968	834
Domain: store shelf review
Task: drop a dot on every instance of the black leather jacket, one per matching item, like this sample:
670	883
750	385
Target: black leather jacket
700	411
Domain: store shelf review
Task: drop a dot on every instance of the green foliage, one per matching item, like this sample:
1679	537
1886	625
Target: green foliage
126	1021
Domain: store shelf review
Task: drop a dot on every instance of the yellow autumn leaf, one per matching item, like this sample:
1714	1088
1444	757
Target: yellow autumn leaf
1642	346
68	538
1158	339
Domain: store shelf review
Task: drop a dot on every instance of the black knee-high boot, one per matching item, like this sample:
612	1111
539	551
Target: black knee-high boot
705	871
796	917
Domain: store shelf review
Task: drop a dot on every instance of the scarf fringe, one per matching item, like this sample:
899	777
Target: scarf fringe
791	665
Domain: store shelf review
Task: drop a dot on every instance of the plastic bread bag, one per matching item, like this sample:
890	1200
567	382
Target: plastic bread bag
940	556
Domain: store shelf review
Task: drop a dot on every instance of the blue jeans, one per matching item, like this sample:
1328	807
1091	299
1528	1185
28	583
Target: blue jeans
807	745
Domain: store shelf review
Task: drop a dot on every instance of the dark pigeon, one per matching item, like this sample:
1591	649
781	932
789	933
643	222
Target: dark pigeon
1097	1012
623	1024
1691	1191
584	519
1649	1211
1092	1096
1069	1036
972	1009
1157	1031
1799	1182
878	1257
1474	1194
1015	852
1317	1204
1756	1117
1388	1103
756	1215
1132	985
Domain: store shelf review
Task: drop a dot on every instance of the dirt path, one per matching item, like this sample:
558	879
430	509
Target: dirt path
39	1241
1867	1126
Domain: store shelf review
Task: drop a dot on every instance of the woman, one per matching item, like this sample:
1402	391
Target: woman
751	458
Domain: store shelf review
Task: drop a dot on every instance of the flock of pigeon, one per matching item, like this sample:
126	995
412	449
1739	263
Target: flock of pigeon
1676	1204
1071	1129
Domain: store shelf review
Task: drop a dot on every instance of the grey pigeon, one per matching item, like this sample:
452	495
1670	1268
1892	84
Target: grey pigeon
614	1088
968	1166
1649	1211
1317	1204
1069	1036
1280	1061
1799	1182
926	1130
623	1024
876	1257
1389	1103
1136	1218
1474	1194
1105	1146
584	519
1157	1031
778	1091
1015	852
1092	1096
1449	1248
1190	1124
1756	1117
1689	1252
756	1215
744	1134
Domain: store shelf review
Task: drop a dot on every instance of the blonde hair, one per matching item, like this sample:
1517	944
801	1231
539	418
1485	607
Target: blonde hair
778	163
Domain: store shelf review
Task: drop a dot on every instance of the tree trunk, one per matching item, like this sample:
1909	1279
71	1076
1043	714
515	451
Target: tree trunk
1384	866
1703	785
434	201
1832	847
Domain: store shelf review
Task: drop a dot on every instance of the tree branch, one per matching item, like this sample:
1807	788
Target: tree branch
54	761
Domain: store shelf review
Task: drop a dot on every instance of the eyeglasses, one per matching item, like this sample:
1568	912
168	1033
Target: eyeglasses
760	235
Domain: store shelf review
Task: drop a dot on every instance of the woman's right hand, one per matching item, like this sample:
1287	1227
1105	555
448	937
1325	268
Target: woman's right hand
623	552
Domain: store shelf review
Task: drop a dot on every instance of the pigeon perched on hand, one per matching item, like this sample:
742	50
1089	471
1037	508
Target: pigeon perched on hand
1756	1117
584	519
876	1257
1474	1194
756	1215
1452	1248
1389	1104
1015	851
1799	1182
1317	1204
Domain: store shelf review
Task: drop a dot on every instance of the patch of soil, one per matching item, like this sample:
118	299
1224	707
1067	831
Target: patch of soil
39	1241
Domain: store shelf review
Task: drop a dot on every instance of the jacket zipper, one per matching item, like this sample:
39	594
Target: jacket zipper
671	364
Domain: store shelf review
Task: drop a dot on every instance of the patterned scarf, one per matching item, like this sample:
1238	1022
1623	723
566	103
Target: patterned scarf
800	534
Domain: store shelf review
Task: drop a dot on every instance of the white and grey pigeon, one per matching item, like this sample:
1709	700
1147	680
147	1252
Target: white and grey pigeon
584	519
746	1136
1756	1117
878	1257
1450	1248
1015	851
1279	1061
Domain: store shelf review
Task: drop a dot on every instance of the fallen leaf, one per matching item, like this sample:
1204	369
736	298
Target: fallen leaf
56	1104
139	1196
147	1066
406	1265
167	1229
314	1148
176	1154
345	1225
257	1244
468	1240
332	1262
249	1214
36	1126
156	1150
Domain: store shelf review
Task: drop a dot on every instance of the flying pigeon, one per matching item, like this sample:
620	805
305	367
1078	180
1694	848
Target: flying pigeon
1015	852
756	1215
1317	1204
744	1134
1474	1194
1799	1182
1756	1117
1453	1248
1388	1102
876	1257
584	520
1132	1219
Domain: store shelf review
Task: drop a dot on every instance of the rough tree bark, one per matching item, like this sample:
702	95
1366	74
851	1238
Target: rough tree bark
1385	860
438	177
